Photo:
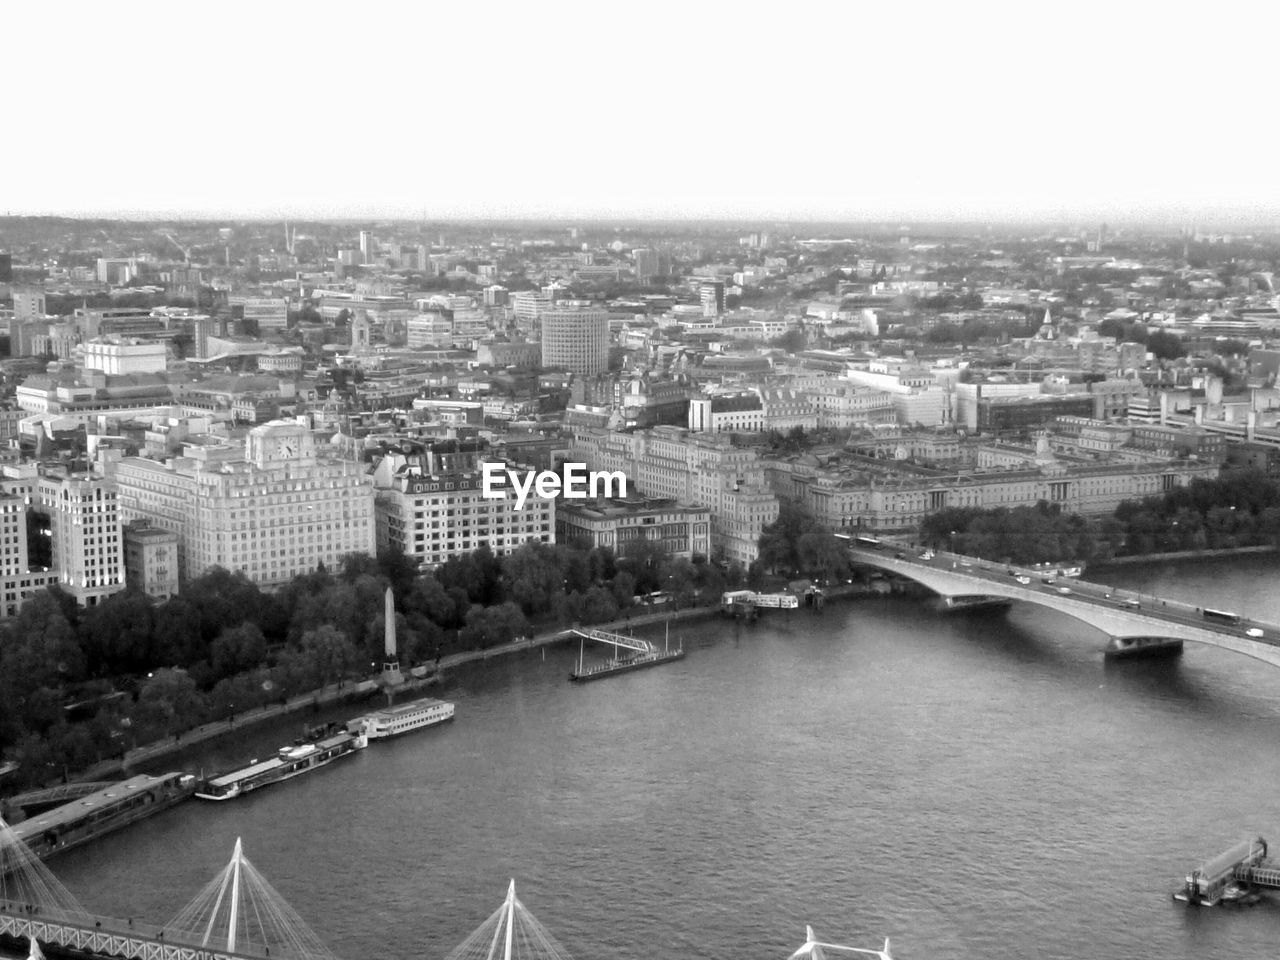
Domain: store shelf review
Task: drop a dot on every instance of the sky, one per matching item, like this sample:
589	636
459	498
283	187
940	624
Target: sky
646	109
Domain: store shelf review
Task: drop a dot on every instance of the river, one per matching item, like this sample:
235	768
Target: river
973	787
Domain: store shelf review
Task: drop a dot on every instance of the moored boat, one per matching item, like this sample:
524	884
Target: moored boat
289	762
404	718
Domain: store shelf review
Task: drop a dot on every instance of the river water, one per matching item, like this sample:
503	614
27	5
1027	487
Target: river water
973	787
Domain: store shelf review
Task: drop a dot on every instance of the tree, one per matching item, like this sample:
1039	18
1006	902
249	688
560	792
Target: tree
237	649
429	598
330	652
169	703
534	577
1165	346
598	606
780	540
792	341
490	626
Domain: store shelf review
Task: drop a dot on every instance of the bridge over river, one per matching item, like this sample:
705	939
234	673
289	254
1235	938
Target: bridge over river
1133	621
237	916
240	916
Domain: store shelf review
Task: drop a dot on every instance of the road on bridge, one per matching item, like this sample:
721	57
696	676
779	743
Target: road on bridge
905	556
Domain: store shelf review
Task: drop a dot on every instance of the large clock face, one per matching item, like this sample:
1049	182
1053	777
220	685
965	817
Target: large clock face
286	448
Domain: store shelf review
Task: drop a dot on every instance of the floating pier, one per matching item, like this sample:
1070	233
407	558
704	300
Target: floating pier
1234	876
632	654
734	601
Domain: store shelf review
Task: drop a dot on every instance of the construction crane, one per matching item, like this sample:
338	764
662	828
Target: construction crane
186	251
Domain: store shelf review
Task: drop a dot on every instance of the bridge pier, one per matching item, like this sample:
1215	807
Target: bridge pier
974	603
1135	648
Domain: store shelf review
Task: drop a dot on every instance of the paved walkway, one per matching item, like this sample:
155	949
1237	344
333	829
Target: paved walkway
351	690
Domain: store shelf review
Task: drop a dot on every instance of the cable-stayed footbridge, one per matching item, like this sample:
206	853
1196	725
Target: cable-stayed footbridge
240	916
237	916
815	949
510	933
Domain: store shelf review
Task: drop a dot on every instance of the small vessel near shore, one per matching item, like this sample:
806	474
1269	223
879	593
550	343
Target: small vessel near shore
326	745
404	718
91	815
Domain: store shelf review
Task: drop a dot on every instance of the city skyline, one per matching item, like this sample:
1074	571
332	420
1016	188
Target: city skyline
946	114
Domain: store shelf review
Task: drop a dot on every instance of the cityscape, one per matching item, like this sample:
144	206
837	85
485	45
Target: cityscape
745	491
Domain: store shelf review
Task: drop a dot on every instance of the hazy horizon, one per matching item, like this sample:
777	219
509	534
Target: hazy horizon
985	113
1223	222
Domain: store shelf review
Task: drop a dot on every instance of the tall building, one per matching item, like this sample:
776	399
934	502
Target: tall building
18	581
692	468
627	526
267	313
576	339
28	305
151	559
431	506
368	246
273	509
202	328
529	305
117	271
120	356
711	292
647	264
85	525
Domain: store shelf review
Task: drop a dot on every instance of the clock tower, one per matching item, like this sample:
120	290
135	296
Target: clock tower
279	442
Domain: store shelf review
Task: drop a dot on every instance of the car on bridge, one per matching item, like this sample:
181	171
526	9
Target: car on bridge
1254	632
1021	579
1123	601
1064	590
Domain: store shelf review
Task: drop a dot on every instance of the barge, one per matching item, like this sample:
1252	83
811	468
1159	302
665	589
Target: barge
103	811
289	762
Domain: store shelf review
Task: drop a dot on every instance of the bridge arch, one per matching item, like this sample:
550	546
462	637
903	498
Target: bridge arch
950	576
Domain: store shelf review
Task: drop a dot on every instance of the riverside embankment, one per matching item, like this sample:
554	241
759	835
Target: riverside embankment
350	691
1180	555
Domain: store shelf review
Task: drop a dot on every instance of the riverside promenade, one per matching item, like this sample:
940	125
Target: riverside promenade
354	690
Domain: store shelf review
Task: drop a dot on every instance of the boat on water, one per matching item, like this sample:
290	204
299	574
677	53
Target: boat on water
325	746
404	718
114	806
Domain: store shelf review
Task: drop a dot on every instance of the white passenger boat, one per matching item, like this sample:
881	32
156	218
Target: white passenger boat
413	715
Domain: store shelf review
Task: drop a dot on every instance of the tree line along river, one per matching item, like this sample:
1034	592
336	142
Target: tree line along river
972	787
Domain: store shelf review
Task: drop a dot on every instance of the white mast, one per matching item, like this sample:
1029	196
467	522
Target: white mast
511	917
235	897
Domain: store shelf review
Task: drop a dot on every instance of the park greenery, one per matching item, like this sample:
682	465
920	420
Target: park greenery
1239	509
79	685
